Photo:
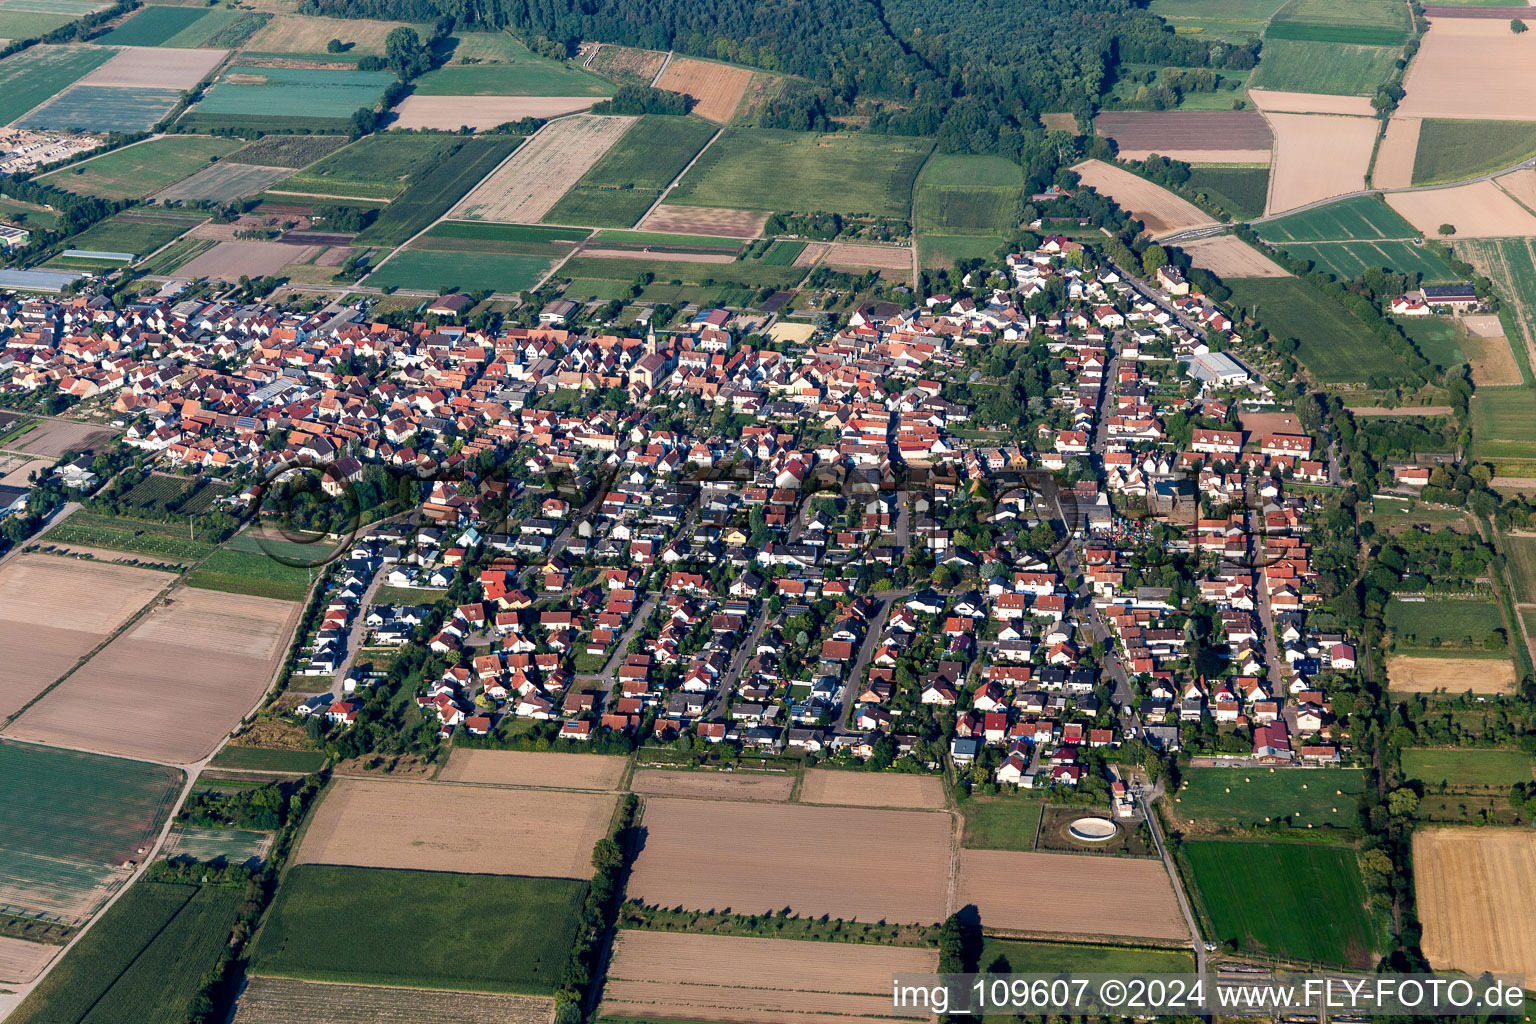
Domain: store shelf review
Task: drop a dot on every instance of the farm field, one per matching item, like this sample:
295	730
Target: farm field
1444	624
868	789
1472	68
944	251
1520	559
965	210
70	821
667	976
1160	210
32	76
1227	256
774	170
1511	265
368	823
223	182
1504	423
1322	883
745	274
602	207
1091	895
480	113
138	171
1342	69
1375	22
624	183
1474	900
153	26
153	540
1206	136
1242	191
1000	823
716	88
1347	260
140	232
1318	156
304	34
706	220
1396	154
28	19
1357	218
1233	20
1253	796
855	257
94	108
55	438
1479	210
429	928
220	28
230	569
424	269
524	768
483	236
712	785
208	656
531	76
1025	957
1420	673
265	760
288	150
1451	150
1273	100
524	188
1334	346
21	961
290	1001
246	96
45	626
750	856
429	198
140	67
210	845
143	961
627	65
1467	766
1449	342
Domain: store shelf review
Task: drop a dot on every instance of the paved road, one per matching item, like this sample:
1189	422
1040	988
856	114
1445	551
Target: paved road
1197	942
739	658
854	679
358	631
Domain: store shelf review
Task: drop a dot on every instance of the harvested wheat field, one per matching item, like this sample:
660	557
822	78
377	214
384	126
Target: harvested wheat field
532	180
1318	156
1226	256
756	857
526	768
712	785
1089	895
288	1001
177	681
1270	101
1490	359
1160	210
1195	136
1521	185
54	611
229	261
1476	900
484	830
305	34
1479	210
848	256
21	961
1406	674
705	220
153	67
869	789
1395	156
449	113
676	976
1472	67
718	88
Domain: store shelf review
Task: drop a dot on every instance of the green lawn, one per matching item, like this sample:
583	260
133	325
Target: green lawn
429	270
1016	956
1441	623
1242	191
1300	900
1504	422
1347	260
262	759
1243	797
1467	766
1340	69
771	169
534	76
1000	823
1451	150
1333	345
1354	219
32	76
136	171
373	167
242	572
493	933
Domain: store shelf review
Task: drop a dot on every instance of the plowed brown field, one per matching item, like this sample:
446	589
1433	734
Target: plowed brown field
1471	67
1318	156
1476	899
718	88
285	1001
1396	154
755	858
1479	210
526	768
712	785
1196	136
1421	675
666	975
705	220
477	829
1071	895
868	789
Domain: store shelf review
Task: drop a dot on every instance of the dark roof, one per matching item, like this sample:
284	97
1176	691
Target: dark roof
1448	291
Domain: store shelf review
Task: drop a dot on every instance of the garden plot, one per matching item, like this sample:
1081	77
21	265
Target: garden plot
868	789
1472	68
229	261
149	67
705	220
1318	156
1270	101
529	182
1478	210
1088	895
1226	256
717	88
712	785
1395	155
524	768
667	976
752	857
291	1001
47	622
1202	136
223	182
177	681
379	824
1160	210
449	113
1474	894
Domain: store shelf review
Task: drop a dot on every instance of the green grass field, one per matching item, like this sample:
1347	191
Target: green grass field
602	207
68	819
1000	823
30	24
1021	957
1520	560
144	961
1442	623
951	170
262	759
1504	423
32	76
244	572
534	76
1273	896
770	169
434	193
96	108
944	251
1338	69
154	26
27	214
1240	190
1437	338
137	171
1347	260
433	929
373	167
426	269
1234	20
1355	219
303	93
1365	22
1510	264
653	152
967	210
1467	766
1451	150
1334	346
126	233
1243	797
